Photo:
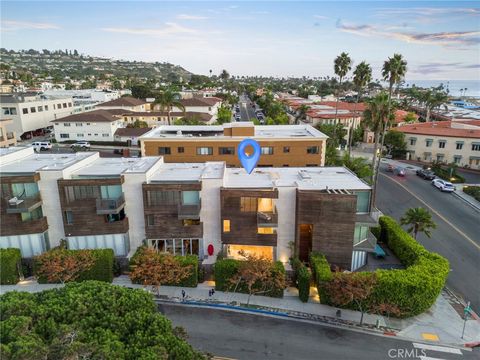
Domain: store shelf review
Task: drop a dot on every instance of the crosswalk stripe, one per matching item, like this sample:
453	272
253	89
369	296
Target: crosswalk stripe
437	348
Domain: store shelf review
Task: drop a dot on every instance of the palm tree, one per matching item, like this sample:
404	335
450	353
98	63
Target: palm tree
434	98
374	117
210	72
342	65
301	113
419	220
167	100
224	75
361	78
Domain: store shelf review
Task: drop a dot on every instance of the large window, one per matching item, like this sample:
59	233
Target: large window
360	234
64	136
248	204
176	246
267	150
204	151
441	144
69	217
459	145
363	201
313	150
190	197
81	192
266	230
164	151
428	142
111	191
32	215
476	147
156	198
25	111
226	151
24	190
150	220
226	226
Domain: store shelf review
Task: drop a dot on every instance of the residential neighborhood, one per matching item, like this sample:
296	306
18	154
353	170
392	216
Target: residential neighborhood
232	180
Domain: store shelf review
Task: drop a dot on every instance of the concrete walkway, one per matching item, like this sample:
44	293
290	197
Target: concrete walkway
442	324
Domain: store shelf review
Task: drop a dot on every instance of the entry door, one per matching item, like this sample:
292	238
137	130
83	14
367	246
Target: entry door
305	241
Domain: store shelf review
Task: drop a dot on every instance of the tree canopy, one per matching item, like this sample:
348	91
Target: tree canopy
88	320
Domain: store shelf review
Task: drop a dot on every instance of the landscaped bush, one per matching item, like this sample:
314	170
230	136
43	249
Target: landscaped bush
9	265
445	174
88	320
472	191
412	290
188	261
321	274
227	269
69	261
303	282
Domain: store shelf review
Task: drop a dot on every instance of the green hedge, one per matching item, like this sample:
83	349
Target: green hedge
414	289
225	269
191	281
102	270
321	273
472	191
445	175
9	264
303	283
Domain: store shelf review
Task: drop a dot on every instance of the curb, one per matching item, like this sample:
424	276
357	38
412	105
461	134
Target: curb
473	205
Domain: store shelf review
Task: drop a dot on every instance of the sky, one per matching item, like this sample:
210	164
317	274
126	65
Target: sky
440	40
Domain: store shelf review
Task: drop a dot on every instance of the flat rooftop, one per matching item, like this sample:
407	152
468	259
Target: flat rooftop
33	162
114	167
315	178
217	131
187	172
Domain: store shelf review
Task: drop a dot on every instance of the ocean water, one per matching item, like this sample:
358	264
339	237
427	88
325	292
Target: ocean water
454	86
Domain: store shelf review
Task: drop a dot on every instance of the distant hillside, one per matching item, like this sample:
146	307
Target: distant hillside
59	64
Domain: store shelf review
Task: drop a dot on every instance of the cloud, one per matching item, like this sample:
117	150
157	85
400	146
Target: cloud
169	29
191	17
426	11
436	67
449	39
321	17
12	25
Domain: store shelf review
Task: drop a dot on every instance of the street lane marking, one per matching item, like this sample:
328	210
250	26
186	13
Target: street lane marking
434	211
428	358
437	348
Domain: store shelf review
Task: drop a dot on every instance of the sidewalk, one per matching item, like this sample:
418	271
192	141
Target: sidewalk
467	198
442	324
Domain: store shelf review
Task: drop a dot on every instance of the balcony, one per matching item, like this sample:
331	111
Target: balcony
110	206
189	211
267	218
367	244
23	205
369	219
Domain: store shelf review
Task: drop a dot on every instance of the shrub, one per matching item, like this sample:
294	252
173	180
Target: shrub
182	261
101	268
225	270
322	274
303	282
411	291
93	320
9	264
472	191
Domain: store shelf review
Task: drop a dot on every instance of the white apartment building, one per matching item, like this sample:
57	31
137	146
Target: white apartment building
85	95
126	103
445	141
207	105
97	125
182	208
30	111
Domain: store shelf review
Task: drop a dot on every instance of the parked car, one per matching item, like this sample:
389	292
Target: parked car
399	171
390	168
81	144
425	174
41	145
443	185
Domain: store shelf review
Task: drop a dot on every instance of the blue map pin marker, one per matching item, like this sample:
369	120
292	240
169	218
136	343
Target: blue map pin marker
248	161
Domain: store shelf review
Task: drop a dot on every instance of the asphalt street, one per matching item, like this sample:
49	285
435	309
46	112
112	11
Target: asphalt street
244	336
247	112
457	236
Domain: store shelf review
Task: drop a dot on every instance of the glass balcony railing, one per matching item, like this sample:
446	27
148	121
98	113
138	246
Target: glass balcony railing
267	218
110	206
17	205
189	211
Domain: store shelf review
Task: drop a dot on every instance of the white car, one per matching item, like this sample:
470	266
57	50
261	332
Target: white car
443	185
41	145
81	144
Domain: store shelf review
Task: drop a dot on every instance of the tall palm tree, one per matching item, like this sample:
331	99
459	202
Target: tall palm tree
419	220
210	72
433	99
224	75
361	78
374	117
393	71
167	100
341	65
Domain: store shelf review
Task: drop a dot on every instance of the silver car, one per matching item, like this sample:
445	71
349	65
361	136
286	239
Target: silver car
443	185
